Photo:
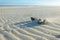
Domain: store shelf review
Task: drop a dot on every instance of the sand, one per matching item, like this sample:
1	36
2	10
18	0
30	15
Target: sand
15	23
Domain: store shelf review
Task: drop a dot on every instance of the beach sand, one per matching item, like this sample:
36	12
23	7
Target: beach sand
15	23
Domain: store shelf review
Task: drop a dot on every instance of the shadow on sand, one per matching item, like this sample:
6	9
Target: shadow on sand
57	36
27	24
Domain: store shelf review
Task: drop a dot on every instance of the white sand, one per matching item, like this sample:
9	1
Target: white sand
15	23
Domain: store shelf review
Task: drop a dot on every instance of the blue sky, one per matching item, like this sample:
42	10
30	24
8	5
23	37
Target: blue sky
29	2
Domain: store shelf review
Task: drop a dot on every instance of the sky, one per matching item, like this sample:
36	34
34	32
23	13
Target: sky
30	2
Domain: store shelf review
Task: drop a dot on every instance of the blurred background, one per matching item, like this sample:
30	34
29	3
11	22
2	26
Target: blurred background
30	2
